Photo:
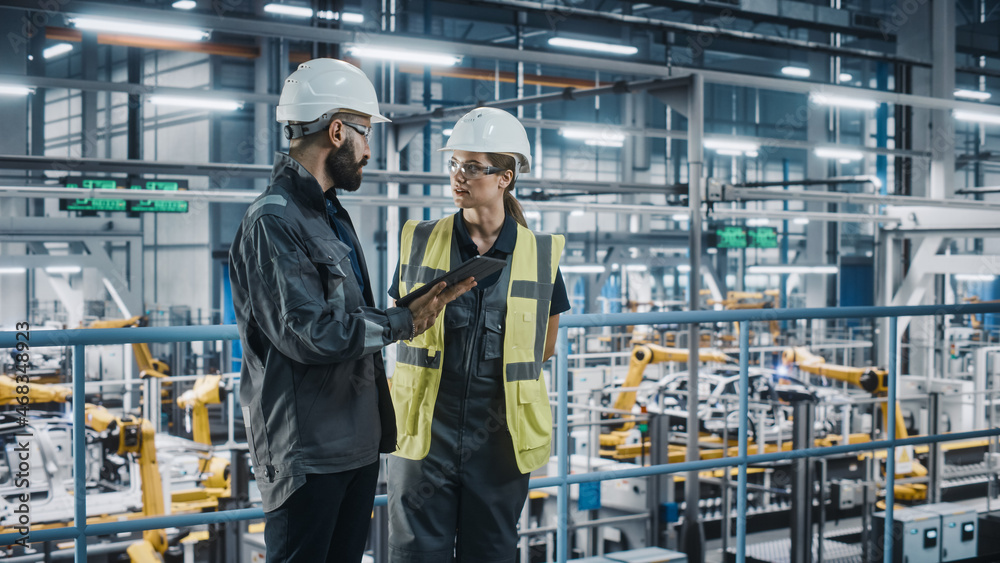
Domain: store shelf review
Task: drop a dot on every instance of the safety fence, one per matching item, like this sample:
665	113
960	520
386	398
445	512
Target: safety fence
80	339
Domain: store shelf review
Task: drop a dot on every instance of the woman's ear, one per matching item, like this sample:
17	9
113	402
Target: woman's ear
506	178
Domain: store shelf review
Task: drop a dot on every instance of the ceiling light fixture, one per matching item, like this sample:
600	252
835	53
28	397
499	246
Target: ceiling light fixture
56	50
792	269
796	71
975	117
197	103
287	10
14	90
846	77
975	277
399	55
130	27
13	270
596	46
973	95
583	269
840	154
63	270
843	101
801	220
185	4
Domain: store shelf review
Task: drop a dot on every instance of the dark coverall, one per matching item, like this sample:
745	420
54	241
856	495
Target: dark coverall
465	497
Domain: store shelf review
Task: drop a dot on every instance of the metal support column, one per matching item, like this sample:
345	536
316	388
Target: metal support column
741	484
562	439
934	459
802	483
79	454
890	457
693	542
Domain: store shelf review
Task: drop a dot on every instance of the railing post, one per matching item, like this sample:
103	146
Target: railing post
890	456
562	442
741	485
80	453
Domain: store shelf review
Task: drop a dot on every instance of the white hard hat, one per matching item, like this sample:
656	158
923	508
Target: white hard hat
492	130
320	88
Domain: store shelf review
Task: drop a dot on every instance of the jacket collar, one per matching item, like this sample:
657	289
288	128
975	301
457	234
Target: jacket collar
299	182
505	240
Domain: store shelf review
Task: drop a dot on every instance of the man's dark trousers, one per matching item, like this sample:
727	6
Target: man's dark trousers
324	520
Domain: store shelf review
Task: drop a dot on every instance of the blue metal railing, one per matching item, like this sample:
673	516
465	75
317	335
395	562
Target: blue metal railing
79	339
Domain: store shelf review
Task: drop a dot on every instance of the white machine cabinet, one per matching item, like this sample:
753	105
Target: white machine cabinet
959	528
916	535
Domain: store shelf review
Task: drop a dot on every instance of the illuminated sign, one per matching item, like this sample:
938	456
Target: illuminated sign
159	205
762	237
92	204
731	236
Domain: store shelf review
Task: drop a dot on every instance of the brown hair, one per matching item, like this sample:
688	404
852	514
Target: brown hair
510	204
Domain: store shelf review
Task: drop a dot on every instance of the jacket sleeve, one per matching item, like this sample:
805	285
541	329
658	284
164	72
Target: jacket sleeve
288	302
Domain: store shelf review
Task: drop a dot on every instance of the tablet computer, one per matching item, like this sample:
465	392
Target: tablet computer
478	267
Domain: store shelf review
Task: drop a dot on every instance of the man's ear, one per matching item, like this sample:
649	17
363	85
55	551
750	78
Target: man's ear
336	133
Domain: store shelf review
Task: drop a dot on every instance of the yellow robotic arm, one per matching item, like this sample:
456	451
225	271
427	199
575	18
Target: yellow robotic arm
645	354
870	379
207	390
148	365
11	392
137	437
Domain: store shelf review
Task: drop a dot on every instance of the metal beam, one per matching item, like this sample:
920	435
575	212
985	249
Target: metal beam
269	28
753	194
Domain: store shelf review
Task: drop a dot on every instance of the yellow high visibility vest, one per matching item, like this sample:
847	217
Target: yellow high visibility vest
419	362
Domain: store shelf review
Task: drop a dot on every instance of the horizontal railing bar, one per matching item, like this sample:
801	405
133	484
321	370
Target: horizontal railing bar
154	523
704	465
229	332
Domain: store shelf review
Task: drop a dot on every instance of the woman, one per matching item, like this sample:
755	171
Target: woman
472	409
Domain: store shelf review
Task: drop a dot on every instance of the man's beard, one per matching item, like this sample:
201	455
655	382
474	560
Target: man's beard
344	168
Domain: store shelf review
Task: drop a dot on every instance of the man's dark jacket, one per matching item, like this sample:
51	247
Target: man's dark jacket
313	388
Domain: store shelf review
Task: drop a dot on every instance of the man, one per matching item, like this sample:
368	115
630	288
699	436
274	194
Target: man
313	388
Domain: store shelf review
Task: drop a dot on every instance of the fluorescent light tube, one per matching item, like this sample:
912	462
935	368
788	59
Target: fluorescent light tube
582	269
349	17
796	71
63	270
975	117
801	220
680	217
843	101
55	245
185	4
592	135
684	268
604	143
975	277
636	268
56	50
399	55
447	132
11	90
131	27
973	95
577	213
730	144
728	152
286	10
791	269
599	47
198	103
751	154
758	222
13	270
840	154
846	77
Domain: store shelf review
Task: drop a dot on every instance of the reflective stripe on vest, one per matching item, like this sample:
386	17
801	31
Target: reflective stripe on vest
425	252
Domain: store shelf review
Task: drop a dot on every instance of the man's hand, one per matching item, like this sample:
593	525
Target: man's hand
426	309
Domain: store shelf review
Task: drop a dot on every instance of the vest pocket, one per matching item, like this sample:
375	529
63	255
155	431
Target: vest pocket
493	339
534	415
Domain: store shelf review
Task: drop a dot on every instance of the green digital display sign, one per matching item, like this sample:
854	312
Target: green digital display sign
159	205
93	204
762	237
90	205
730	237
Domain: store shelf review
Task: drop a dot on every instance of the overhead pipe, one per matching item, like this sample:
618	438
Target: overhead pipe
694	29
